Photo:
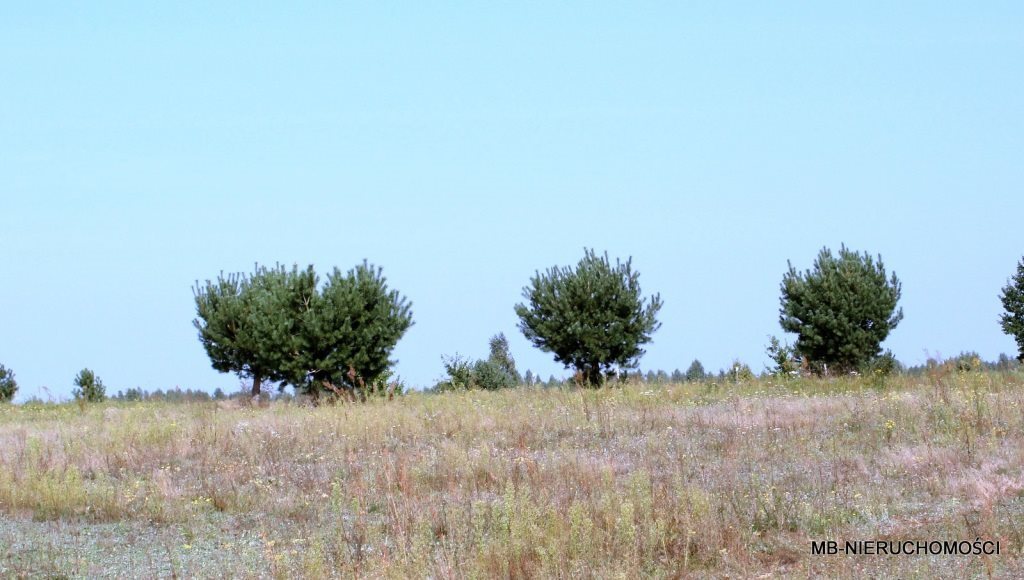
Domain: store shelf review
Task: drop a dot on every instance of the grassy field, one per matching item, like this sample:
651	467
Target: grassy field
632	482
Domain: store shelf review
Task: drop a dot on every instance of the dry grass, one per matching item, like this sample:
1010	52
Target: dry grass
640	481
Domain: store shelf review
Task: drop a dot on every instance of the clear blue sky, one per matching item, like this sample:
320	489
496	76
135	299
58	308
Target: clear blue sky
462	146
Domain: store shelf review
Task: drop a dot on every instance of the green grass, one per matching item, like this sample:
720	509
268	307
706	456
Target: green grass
638	481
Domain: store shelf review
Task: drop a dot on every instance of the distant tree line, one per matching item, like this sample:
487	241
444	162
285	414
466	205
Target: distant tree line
175	395
335	339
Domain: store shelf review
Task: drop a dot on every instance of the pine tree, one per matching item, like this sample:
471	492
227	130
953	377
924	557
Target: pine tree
740	372
248	324
786	363
528	378
841	311
695	372
501	357
592	318
8	386
89	387
1012	321
275	325
347	333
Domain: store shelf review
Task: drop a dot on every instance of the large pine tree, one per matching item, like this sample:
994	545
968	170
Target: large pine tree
841	310
593	318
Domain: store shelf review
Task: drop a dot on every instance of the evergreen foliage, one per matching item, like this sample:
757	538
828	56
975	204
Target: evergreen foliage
785	359
528	378
175	395
460	374
501	357
8	386
884	365
347	334
841	311
678	376
132	394
275	325
89	387
592	318
248	324
696	372
1005	363
497	372
490	376
1012	321
739	372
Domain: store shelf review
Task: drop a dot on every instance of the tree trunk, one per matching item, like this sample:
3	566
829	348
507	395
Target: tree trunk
257	378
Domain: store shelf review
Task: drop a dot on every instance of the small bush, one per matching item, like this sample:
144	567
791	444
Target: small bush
497	372
786	360
967	362
740	372
482	374
884	365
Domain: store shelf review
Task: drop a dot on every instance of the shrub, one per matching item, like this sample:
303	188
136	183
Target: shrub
89	387
386	385
841	310
592	318
8	386
739	372
784	357
885	364
967	362
460	374
497	372
490	376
